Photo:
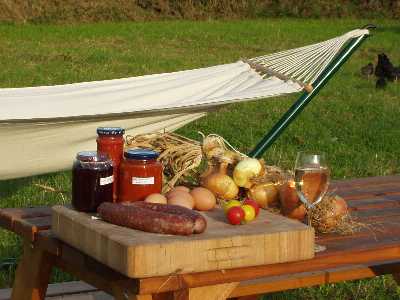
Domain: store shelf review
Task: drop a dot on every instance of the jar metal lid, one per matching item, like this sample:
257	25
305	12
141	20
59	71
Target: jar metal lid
92	157
141	154
110	131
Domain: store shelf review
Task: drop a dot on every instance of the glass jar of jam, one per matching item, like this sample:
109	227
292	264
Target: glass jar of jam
92	178
110	140
140	175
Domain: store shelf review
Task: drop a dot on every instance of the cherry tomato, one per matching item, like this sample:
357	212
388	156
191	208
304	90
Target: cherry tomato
249	212
231	203
235	215
254	204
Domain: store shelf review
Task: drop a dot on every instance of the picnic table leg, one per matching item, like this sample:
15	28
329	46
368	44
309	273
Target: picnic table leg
213	292
33	274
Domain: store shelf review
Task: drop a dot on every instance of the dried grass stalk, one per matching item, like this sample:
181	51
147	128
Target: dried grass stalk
182	157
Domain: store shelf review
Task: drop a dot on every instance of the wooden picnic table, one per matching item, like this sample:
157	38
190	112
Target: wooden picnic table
373	251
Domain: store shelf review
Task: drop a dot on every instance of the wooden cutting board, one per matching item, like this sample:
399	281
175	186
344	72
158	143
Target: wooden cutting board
267	240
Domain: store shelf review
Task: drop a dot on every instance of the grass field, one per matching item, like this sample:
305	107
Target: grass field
357	125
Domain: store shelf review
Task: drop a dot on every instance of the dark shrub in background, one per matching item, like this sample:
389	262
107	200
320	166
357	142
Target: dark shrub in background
43	11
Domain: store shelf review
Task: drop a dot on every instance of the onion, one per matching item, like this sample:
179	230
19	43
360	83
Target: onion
298	213
291	206
340	208
288	196
221	185
330	214
245	170
265	194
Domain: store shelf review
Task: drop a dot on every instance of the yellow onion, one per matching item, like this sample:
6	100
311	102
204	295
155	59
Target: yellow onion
329	218
340	208
330	215
246	170
288	196
265	194
221	185
298	213
291	206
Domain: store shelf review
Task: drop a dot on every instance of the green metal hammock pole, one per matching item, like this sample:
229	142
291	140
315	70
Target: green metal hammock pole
306	97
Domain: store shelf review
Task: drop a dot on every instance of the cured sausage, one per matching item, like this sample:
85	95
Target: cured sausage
200	223
150	218
145	219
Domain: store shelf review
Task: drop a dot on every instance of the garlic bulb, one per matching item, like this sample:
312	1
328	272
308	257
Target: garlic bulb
245	170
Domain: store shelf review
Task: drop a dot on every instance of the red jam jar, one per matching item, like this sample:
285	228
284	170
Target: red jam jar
110	140
140	175
92	178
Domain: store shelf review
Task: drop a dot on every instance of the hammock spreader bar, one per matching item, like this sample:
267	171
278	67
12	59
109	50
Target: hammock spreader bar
307	96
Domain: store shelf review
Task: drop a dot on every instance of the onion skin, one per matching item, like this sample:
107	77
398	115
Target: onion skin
341	208
221	185
245	170
291	206
331	219
299	213
288	196
265	194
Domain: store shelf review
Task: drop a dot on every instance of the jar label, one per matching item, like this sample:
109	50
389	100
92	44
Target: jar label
107	180
142	180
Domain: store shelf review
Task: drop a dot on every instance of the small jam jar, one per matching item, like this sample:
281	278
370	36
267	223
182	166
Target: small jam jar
92	178
110	140
140	175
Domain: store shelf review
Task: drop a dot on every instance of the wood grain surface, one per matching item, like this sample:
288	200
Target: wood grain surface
268	239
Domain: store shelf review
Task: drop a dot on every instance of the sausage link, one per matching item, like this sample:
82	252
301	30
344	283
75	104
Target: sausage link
200	223
145	219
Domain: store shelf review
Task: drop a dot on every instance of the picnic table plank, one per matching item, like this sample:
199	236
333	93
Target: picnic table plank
9	216
163	284
309	279
352	183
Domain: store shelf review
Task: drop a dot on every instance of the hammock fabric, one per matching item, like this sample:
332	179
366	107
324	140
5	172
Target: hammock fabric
42	128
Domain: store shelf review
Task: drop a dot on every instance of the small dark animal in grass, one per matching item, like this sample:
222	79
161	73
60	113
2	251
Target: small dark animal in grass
380	83
384	68
367	70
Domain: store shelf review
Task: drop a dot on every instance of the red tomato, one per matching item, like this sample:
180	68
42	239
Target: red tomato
235	215
253	203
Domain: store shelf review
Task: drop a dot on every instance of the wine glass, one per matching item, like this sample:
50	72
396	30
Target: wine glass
311	180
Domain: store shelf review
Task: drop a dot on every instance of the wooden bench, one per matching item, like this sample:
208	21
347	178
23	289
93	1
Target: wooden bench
365	254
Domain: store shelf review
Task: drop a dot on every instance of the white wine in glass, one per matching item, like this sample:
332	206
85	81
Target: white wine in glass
312	180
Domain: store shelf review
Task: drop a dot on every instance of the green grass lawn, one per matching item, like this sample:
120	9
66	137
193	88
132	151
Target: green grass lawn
357	125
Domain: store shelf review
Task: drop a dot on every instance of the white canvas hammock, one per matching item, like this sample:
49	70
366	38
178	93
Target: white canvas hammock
42	128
